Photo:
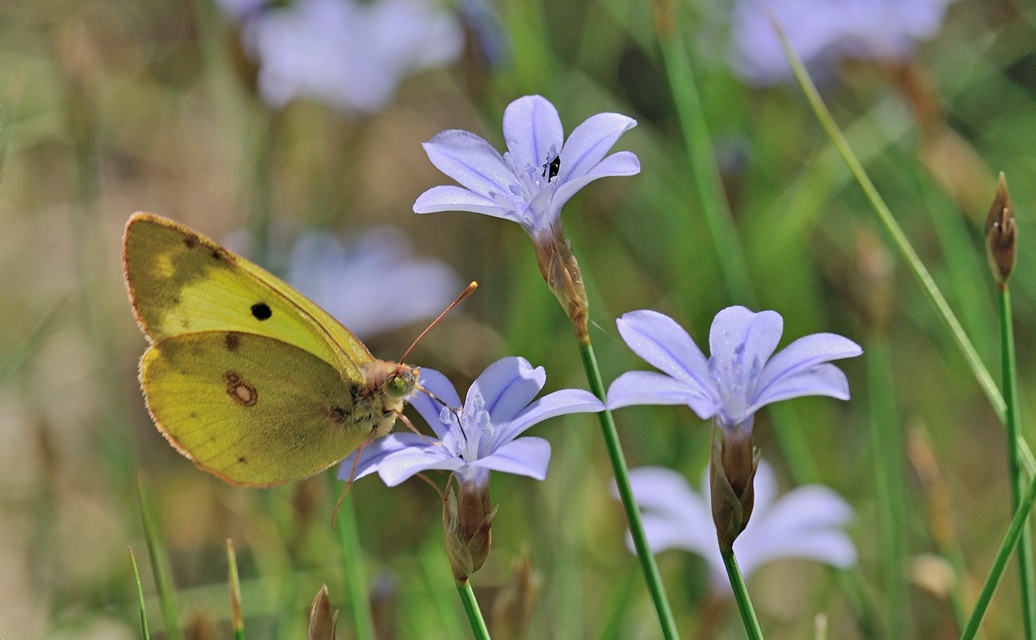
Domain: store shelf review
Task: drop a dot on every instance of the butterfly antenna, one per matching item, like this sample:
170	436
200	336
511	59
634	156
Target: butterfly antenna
352	475
468	290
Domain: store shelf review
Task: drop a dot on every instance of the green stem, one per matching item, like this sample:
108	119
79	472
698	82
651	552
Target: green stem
887	443
478	625
159	560
744	603
1009	373
996	572
629	502
732	263
140	596
355	576
903	246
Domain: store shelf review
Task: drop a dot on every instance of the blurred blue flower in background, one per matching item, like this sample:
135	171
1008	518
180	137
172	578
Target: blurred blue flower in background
537	175
373	284
482	435
807	522
740	376
377	266
349	54
822	31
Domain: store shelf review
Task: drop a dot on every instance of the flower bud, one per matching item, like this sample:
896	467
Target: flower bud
731	478
467	524
322	622
560	269
1001	234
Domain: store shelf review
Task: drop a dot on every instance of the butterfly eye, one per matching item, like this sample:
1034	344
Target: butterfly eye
400	384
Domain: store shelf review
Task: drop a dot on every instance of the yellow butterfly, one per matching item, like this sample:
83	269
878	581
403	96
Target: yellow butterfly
244	375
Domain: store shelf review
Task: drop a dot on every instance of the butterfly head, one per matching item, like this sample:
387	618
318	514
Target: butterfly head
402	381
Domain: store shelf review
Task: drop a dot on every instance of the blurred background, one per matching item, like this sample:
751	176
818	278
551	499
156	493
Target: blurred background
292	132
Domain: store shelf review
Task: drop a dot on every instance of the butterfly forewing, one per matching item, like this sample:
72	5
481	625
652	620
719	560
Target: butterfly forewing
181	282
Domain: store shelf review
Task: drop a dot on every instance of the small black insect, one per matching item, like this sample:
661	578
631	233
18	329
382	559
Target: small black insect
551	168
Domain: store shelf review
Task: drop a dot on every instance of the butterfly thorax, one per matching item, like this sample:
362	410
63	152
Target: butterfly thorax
388	386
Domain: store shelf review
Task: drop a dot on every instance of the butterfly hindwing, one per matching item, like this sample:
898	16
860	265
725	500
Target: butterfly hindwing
250	409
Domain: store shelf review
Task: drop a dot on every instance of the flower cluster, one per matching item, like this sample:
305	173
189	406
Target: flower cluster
529	184
480	436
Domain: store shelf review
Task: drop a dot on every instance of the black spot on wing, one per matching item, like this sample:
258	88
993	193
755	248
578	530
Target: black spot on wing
261	311
232	340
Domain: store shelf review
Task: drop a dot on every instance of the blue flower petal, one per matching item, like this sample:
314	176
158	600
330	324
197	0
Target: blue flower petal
739	335
590	142
402	465
507	386
664	344
622	163
439	386
471	161
374	453
524	457
454	198
549	406
651	387
805	353
531	128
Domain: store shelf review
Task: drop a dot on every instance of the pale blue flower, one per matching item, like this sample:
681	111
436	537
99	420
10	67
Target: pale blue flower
349	54
821	31
372	284
537	175
807	522
741	375
479	437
